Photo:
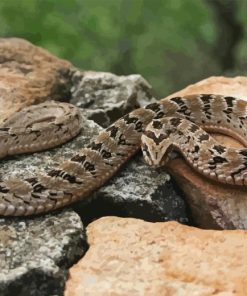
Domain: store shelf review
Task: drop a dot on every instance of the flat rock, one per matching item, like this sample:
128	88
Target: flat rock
213	205
133	257
30	75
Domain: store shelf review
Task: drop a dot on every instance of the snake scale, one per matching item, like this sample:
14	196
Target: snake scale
179	124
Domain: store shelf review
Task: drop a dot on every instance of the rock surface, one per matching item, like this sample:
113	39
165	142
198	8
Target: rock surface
133	257
105	97
235	86
139	192
213	205
35	253
30	75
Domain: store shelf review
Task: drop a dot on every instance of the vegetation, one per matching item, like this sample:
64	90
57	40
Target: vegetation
170	42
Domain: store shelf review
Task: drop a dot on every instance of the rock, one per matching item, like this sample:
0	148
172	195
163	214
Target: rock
136	191
213	205
35	253
235	86
105	97
30	75
133	257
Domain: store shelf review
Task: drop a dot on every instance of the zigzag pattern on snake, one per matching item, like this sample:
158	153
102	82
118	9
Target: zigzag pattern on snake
174	124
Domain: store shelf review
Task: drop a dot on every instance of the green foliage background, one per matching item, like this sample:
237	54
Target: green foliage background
169	42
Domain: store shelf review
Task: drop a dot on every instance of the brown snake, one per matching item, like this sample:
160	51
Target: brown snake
165	126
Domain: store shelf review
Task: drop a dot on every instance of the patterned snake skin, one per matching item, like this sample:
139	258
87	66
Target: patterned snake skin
165	126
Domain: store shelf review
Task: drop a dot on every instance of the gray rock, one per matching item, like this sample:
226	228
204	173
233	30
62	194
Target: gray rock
35	253
136	191
105	97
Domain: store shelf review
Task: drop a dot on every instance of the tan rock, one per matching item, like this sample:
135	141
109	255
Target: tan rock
28	75
213	205
227	86
133	257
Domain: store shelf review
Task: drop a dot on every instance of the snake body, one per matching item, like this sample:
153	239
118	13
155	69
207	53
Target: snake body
174	124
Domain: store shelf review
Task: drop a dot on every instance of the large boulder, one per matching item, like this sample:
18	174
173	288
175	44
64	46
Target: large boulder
133	257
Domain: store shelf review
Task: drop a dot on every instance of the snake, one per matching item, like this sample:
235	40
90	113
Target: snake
175	125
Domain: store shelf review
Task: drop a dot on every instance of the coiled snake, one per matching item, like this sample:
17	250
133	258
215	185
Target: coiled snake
174	124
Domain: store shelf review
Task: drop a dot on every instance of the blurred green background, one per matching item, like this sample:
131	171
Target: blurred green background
172	43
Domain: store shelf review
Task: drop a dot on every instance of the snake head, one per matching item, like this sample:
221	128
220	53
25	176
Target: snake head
156	144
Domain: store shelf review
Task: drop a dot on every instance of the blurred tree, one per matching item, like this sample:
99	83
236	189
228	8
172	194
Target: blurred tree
230	32
169	42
